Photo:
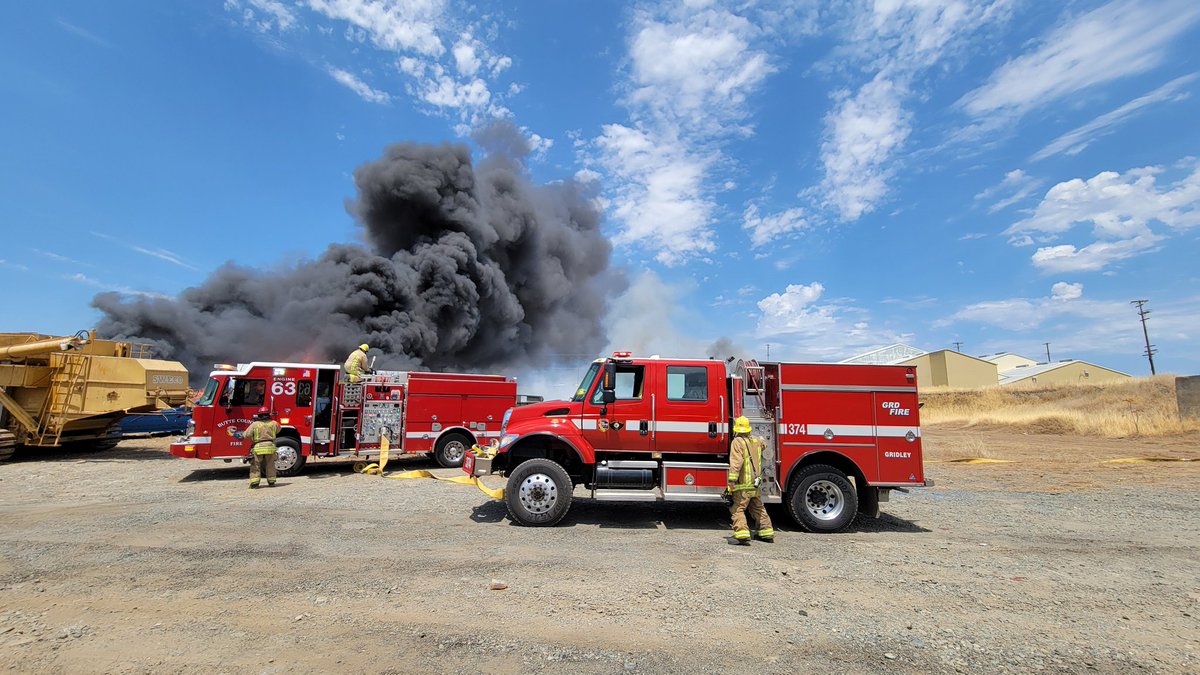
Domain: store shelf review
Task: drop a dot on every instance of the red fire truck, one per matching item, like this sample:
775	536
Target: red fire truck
320	416
838	437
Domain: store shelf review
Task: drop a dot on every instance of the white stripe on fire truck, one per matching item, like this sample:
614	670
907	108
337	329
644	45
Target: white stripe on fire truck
198	440
306	439
692	427
860	430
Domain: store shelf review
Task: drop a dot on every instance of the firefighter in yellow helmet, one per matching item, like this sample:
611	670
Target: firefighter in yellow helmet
261	433
745	472
356	363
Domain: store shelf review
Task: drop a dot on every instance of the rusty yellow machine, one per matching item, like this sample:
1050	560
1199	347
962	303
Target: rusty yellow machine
74	389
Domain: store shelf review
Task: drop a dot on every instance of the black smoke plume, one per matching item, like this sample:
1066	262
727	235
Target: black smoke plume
465	268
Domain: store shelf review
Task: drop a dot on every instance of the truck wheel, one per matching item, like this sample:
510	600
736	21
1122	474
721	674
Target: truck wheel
538	493
450	449
822	499
288	460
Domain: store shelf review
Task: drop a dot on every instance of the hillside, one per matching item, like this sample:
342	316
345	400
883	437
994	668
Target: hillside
1139	407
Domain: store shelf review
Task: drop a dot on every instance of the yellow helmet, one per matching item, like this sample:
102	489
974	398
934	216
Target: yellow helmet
364	346
741	425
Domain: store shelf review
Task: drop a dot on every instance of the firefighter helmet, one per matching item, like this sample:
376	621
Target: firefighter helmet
741	425
364	346
263	413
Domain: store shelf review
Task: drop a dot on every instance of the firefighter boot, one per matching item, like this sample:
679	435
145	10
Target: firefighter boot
270	483
742	537
254	486
767	535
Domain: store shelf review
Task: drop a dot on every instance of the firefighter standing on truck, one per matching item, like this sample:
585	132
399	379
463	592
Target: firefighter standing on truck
356	363
745	473
262	432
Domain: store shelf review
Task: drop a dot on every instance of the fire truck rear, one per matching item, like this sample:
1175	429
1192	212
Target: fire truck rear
441	414
839	437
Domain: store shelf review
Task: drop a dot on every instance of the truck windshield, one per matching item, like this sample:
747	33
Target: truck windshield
210	392
586	384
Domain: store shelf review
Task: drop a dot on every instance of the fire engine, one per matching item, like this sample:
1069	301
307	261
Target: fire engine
839	437
320	415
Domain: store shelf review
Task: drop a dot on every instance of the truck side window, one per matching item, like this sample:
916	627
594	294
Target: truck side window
687	383
304	393
628	385
249	392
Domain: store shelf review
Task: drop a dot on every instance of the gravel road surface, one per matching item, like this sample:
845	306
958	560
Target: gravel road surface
133	561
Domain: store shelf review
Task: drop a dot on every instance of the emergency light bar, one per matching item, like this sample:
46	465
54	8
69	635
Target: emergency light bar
224	366
622	355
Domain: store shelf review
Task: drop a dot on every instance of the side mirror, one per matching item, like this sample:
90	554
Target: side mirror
608	382
608	396
227	395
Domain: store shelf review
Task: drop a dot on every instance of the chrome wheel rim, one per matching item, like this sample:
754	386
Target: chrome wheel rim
538	493
824	500
285	458
454	451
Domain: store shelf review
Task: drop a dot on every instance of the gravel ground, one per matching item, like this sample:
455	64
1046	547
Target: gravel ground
134	561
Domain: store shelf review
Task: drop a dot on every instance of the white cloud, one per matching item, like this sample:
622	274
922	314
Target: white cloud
85	34
696	70
1120	209
1093	257
1075	141
465	59
1016	186
809	329
13	265
1121	38
862	133
646	319
691	73
126	290
897	41
365	91
395	25
766	228
658	193
1063	291
164	254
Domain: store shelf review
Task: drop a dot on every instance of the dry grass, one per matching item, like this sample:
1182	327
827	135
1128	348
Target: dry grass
936	450
1138	407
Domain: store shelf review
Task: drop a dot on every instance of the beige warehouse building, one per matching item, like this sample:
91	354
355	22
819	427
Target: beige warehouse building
947	368
1062	372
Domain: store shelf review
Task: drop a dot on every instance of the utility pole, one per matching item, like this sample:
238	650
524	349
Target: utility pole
1047	351
1143	313
768	351
957	346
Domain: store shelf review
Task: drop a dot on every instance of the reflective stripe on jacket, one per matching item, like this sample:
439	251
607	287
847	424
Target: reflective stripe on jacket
745	462
262	434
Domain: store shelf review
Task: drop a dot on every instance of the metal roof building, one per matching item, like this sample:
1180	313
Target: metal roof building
1068	371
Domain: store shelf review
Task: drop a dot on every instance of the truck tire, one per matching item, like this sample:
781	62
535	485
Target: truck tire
8	445
451	448
822	499
538	493
288	459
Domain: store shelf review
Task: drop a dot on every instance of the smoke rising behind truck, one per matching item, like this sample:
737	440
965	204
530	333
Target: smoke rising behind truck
466	266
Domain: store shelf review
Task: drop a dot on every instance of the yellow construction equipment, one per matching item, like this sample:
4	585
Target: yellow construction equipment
73	389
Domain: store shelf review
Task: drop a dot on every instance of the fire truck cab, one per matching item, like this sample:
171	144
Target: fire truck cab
441	414
838	437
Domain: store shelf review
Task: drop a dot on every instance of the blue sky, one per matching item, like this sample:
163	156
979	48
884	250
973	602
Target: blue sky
823	177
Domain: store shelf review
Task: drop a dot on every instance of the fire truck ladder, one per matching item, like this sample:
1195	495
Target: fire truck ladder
65	398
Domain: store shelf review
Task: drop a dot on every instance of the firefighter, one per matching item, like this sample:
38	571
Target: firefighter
356	363
745	472
261	433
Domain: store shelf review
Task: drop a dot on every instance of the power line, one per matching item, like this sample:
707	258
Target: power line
1143	313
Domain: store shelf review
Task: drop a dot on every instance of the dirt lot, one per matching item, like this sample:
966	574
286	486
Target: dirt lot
134	561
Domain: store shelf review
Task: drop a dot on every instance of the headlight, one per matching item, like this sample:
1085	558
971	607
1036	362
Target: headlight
507	439
191	428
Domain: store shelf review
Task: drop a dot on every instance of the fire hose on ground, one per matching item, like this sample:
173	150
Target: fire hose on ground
374	469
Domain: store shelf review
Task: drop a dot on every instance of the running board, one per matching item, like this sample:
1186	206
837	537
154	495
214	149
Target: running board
652	495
